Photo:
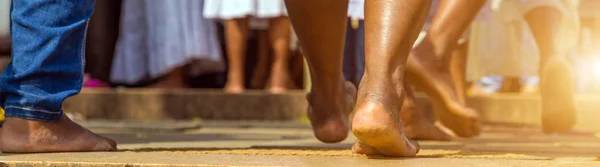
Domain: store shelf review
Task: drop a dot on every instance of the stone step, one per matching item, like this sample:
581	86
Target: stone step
527	109
154	104
190	104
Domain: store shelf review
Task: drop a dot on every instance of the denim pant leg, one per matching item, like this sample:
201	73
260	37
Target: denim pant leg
48	39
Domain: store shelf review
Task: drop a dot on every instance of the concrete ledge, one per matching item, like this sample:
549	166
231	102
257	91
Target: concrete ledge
526	110
152	104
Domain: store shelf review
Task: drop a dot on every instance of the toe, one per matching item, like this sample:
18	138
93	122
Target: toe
465	132
361	148
412	147
113	144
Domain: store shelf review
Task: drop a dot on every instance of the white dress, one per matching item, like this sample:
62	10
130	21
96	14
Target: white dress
230	9
501	43
157	36
356	9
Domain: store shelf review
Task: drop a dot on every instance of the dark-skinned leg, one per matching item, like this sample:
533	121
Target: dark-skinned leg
320	26
429	65
415	123
458	70
391	28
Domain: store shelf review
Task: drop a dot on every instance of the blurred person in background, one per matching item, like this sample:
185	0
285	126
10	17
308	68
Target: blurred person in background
550	29
102	35
590	24
165	42
237	14
500	46
434	67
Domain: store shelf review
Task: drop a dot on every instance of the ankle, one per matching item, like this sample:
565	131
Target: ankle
438	51
383	80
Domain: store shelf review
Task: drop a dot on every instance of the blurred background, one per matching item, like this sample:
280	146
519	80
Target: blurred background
188	45
236	51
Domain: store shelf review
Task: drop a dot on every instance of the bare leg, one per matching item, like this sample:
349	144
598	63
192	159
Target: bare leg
391	28
458	70
236	32
416	125
429	65
556	86
262	62
279	35
320	26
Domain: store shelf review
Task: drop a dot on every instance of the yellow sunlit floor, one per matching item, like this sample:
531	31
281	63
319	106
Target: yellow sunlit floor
291	144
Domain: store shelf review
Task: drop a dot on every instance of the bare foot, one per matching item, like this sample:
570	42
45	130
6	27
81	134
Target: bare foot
362	148
277	90
432	75
232	88
377	123
329	110
417	128
556	88
28	136
416	125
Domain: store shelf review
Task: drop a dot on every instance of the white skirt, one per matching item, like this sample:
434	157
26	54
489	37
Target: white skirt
356	9
230	9
157	36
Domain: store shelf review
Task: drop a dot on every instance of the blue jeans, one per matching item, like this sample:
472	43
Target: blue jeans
48	41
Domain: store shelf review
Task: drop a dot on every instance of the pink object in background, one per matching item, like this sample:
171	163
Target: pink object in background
89	82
